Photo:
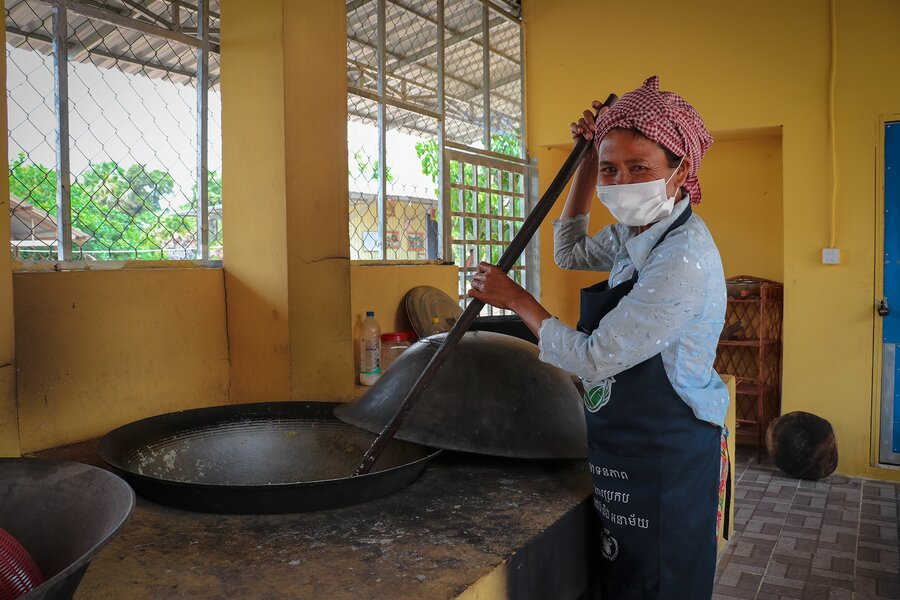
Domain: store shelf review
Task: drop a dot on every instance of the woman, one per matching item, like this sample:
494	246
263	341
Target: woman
645	344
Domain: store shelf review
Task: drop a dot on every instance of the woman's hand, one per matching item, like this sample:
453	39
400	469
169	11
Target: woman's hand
585	125
492	286
581	192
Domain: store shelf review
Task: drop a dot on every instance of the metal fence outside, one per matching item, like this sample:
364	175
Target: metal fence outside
425	78
110	134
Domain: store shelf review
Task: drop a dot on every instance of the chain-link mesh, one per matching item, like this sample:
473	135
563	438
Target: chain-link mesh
506	87
363	176
464	73
411	62
214	145
362	43
411	207
132	137
399	219
32	182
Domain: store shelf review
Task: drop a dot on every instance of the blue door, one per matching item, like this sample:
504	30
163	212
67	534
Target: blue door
889	308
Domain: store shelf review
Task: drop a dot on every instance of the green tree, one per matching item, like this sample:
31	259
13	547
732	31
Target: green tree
133	189
509	145
118	208
214	196
427	152
367	168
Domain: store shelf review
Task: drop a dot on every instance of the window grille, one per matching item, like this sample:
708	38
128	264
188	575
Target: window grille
487	208
110	135
429	80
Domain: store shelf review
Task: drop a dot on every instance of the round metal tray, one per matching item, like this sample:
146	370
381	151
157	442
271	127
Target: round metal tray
274	457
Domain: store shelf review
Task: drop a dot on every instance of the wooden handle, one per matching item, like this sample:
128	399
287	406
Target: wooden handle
513	252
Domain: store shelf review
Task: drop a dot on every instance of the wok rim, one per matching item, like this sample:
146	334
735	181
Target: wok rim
105	452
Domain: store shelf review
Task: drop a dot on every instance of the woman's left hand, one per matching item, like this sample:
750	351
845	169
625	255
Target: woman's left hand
494	287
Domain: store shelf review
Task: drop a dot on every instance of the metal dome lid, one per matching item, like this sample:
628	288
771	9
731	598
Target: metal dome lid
492	396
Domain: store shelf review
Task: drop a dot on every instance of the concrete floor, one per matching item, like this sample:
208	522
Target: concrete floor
832	539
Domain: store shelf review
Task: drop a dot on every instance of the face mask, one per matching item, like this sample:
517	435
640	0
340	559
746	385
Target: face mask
637	204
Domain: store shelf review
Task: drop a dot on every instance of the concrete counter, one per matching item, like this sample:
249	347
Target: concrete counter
471	527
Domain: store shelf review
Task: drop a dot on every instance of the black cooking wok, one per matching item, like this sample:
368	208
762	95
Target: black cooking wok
274	457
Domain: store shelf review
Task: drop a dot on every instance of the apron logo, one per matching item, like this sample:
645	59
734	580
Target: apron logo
598	396
609	547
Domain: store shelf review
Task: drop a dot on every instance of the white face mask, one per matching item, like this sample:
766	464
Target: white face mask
637	204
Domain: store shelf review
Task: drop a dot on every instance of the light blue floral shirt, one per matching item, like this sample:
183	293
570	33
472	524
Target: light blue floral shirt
677	307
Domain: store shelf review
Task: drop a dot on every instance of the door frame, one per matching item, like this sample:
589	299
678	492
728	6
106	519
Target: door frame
878	289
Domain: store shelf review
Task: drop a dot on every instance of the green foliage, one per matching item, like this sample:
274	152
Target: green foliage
133	189
368	169
427	152
118	208
509	145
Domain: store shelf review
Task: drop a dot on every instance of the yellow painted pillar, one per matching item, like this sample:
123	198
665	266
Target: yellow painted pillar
287	267
9	418
315	124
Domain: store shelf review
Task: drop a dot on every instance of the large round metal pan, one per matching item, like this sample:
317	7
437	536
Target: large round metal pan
275	457
493	395
62	513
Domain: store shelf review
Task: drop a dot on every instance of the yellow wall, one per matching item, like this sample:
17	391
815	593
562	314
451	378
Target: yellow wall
755	66
285	168
315	122
9	427
254	214
98	349
383	288
745	220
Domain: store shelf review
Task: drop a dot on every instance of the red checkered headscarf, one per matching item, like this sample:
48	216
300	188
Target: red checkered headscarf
667	119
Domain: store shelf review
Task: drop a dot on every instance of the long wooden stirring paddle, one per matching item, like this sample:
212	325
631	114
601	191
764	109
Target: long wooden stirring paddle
509	258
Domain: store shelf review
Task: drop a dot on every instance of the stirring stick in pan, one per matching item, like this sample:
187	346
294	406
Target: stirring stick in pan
509	258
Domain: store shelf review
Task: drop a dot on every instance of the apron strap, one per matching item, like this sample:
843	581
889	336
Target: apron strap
681	220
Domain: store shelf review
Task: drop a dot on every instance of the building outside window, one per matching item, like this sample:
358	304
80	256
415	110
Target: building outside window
110	135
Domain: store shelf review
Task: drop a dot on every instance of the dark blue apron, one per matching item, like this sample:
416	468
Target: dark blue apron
655	469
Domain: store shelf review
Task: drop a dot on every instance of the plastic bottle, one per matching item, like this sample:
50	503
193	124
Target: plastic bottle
392	346
369	350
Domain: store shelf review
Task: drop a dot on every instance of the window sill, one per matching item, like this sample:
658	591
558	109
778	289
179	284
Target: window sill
19	266
399	263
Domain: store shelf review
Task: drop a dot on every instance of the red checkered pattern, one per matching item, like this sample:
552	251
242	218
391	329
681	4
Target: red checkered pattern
665	118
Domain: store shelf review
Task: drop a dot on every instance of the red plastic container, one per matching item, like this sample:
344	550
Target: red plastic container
19	574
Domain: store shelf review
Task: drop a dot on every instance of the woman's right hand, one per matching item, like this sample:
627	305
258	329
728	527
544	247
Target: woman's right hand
581	192
584	127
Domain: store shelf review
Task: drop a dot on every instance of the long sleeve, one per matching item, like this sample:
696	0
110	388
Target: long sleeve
574	249
670	293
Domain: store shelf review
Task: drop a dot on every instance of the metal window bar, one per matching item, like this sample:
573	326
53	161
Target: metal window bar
136	38
382	133
203	129
397	68
61	95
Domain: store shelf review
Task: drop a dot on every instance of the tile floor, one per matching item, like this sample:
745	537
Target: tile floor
832	539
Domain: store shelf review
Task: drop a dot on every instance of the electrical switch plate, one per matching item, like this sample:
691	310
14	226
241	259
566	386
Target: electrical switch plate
831	256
